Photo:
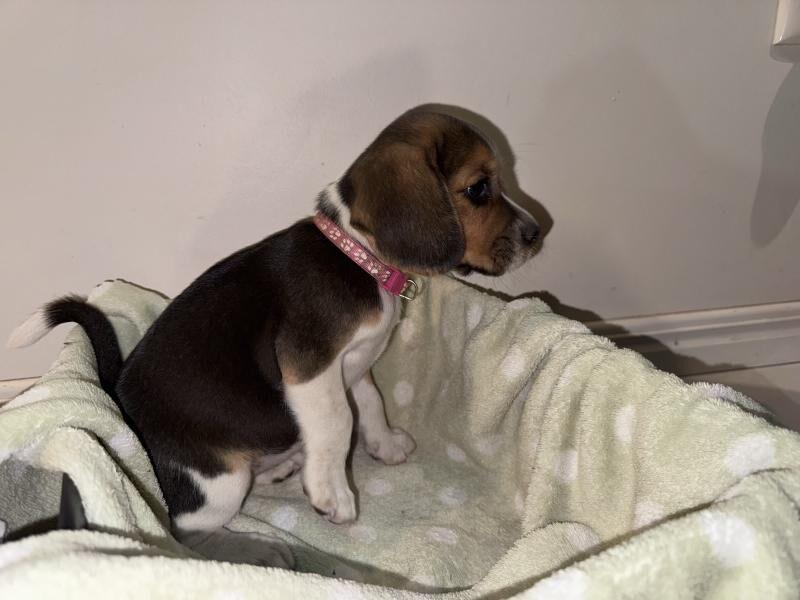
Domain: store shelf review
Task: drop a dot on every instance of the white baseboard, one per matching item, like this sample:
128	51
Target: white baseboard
688	343
710	341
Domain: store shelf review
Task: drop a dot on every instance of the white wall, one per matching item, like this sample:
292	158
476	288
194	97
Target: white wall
146	140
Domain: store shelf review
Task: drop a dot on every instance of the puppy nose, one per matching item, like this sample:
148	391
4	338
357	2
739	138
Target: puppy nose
530	232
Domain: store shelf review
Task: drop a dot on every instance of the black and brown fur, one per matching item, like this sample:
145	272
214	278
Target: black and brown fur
204	386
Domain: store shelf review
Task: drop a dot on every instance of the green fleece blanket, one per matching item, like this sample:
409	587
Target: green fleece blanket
550	464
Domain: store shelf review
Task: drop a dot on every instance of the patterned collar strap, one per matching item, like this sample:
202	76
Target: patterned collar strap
392	280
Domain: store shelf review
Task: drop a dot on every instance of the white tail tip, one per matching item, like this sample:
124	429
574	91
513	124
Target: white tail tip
30	332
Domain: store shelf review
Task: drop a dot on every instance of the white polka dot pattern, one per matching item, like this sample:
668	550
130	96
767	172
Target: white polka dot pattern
489	446
403	393
582	537
407	329
732	540
623	424
363	534
455	453
474	314
749	454
443	535
513	364
453	496
378	487
284	518
566	467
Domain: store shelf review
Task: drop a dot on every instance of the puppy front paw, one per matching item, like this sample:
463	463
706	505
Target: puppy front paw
334	501
393	448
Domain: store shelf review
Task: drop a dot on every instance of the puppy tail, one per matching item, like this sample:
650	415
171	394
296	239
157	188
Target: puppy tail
74	309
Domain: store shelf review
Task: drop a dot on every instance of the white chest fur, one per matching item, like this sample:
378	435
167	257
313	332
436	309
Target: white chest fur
370	340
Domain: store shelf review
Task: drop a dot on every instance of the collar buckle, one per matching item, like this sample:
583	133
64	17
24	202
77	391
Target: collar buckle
410	290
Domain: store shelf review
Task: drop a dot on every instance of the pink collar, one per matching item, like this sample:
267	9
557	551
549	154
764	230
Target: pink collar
392	280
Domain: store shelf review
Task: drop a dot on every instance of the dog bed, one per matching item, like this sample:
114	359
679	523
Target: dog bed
550	464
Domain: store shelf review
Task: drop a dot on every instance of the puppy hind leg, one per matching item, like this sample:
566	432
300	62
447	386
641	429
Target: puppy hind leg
204	532
273	468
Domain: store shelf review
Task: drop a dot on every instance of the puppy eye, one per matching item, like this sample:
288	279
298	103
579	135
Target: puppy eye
478	193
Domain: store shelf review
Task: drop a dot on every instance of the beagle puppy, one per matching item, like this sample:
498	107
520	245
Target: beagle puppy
246	373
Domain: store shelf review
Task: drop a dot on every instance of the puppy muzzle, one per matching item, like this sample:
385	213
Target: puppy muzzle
525	233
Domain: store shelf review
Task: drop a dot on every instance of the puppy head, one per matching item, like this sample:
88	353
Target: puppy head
427	195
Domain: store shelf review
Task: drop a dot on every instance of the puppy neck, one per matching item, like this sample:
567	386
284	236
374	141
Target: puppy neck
330	203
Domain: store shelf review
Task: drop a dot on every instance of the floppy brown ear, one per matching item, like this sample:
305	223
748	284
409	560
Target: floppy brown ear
401	200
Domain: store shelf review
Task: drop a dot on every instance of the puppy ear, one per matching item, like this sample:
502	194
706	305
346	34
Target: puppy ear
400	199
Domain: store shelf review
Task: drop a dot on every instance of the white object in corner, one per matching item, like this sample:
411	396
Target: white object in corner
786	43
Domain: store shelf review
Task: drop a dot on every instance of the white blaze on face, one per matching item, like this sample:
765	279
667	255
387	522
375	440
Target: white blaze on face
519	212
522	250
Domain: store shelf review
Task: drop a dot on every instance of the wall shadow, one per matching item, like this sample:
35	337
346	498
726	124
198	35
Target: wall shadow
662	356
784	408
778	191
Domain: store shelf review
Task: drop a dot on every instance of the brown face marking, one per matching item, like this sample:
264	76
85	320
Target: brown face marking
406	195
482	225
